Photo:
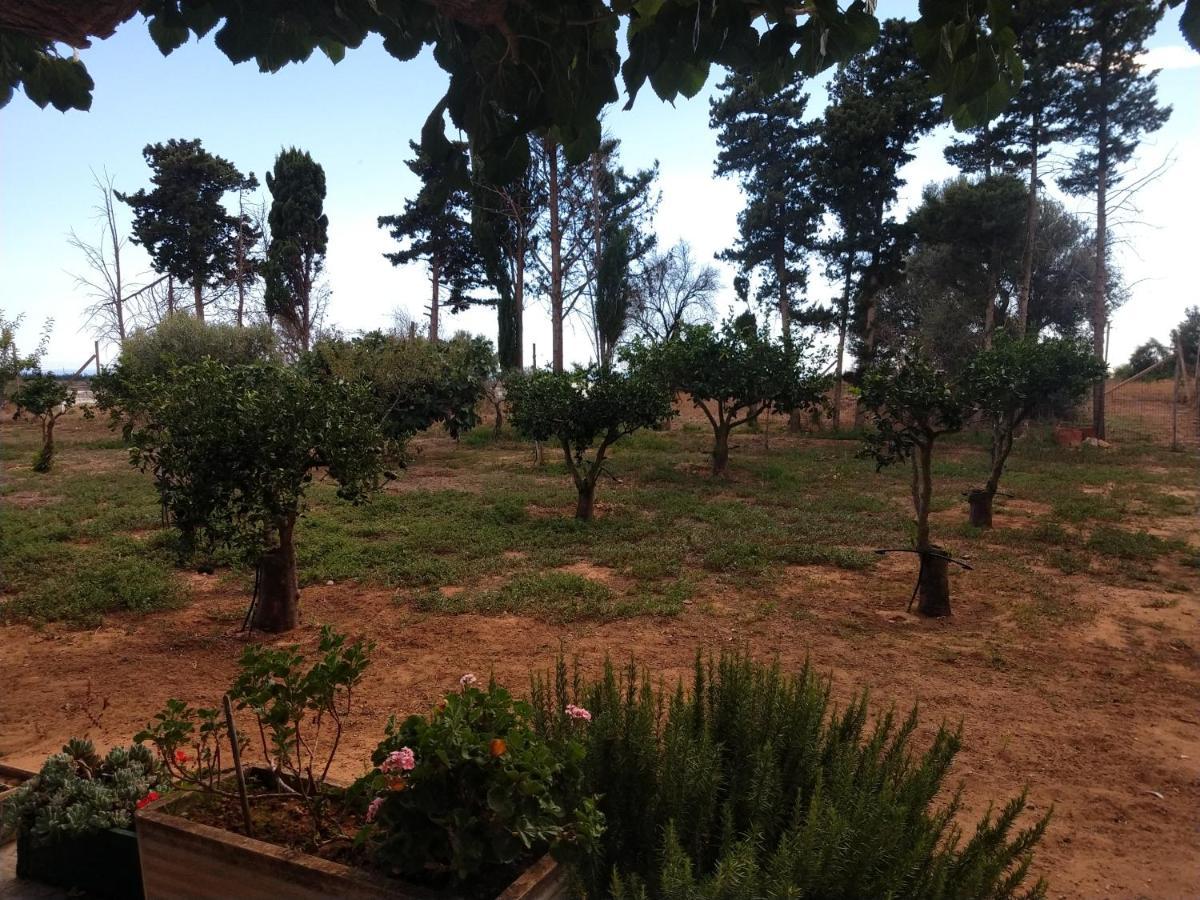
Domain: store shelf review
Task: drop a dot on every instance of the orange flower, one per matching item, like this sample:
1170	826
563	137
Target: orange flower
397	784
499	748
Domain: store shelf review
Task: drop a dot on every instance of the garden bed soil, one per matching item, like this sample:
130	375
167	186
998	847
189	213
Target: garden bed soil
194	831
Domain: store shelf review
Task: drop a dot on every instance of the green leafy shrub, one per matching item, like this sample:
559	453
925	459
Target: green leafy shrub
473	790
750	786
77	792
299	711
416	383
180	340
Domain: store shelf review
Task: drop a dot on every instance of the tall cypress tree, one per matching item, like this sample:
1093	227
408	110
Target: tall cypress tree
1036	117
617	218
436	227
1111	102
181	221
766	144
299	237
880	104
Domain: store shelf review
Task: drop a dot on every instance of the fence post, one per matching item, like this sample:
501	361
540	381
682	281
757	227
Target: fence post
1175	412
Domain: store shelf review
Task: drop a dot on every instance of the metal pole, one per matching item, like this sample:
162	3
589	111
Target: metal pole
97	357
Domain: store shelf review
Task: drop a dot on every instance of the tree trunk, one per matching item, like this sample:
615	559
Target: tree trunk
1100	276
519	312
46	458
1031	225
841	351
980	502
933	586
278	607
170	295
198	295
586	506
720	450
556	293
989	313
435	271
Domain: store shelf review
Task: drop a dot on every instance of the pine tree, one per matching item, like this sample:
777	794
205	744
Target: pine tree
880	105
436	227
1035	118
766	144
979	226
1111	102
181	221
299	236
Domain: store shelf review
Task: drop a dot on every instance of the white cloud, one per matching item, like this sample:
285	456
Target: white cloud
1175	56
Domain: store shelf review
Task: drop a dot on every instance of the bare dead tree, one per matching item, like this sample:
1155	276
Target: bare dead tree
106	281
672	290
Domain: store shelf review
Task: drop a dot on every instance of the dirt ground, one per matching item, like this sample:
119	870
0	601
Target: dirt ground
1100	720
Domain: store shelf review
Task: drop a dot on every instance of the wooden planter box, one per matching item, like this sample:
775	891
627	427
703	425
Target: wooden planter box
183	860
10	779
103	864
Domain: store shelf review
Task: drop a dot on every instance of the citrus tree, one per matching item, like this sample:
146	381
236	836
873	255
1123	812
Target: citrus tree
48	398
586	411
912	403
1008	382
416	383
233	449
734	374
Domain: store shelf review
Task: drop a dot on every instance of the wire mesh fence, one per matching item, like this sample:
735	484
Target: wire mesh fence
1162	411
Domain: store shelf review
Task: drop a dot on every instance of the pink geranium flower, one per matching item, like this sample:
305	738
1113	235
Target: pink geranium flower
467	680
373	809
578	712
402	760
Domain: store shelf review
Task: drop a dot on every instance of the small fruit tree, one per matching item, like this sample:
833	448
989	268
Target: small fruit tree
233	449
913	403
584	408
734	373
1011	380
416	382
48	398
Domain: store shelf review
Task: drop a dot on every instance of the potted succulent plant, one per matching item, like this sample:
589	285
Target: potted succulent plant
11	778
466	802
72	819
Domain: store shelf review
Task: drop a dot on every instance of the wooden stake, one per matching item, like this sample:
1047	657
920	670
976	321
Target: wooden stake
237	766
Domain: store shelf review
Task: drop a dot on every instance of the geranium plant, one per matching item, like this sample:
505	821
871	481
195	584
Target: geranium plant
299	711
472	790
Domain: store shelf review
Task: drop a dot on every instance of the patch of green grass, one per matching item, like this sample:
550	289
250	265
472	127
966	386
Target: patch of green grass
124	578
1120	543
556	597
1088	507
816	555
1046	607
1069	562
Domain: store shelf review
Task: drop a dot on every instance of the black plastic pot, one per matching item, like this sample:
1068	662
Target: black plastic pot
102	864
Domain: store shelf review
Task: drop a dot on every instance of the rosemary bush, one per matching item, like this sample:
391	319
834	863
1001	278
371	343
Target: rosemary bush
751	785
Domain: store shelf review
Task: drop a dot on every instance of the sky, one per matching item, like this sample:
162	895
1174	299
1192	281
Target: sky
357	117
